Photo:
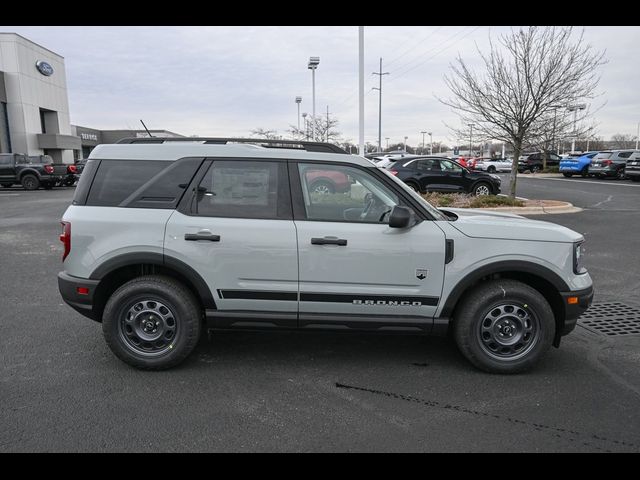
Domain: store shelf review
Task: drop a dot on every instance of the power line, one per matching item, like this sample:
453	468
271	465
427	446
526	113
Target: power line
423	39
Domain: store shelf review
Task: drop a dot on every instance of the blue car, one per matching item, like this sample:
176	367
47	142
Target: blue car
577	165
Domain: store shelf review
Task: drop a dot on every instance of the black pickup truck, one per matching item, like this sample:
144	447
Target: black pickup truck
30	172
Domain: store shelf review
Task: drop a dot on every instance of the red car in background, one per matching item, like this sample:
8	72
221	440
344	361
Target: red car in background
327	181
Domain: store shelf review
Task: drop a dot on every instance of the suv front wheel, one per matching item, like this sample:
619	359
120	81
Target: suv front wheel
504	326
152	322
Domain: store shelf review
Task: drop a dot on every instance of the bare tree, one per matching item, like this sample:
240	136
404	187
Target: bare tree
264	133
531	73
324	130
622	140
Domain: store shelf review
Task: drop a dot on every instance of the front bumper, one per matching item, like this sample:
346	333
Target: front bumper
574	310
82	303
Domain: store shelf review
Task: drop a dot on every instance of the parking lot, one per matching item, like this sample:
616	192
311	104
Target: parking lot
61	388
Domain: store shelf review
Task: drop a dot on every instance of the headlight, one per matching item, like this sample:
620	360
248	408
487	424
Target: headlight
578	258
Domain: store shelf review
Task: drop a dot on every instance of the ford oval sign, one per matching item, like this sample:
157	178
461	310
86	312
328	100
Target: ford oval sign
44	68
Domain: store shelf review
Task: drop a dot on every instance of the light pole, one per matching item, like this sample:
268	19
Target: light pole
430	143
470	138
387	139
312	65
574	109
361	90
298	101
405	143
304	121
380	74
637	135
423	134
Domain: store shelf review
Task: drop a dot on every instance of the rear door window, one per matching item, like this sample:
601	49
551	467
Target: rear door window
603	155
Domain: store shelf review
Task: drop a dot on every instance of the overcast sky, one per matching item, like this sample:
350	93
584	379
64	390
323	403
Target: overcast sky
225	81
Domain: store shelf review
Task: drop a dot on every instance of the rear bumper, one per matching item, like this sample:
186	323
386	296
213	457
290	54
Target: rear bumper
574	310
612	171
82	303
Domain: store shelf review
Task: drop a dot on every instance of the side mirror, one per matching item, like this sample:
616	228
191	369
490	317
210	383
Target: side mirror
401	217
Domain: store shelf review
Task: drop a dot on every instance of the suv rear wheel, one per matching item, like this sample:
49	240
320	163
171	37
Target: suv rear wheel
504	326
152	322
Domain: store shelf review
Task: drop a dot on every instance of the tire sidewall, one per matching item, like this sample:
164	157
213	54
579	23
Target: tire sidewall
481	302
474	191
30	182
182	305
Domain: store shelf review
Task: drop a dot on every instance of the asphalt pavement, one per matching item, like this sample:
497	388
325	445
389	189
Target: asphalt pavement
61	389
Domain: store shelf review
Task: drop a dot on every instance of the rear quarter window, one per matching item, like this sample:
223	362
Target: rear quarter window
603	155
116	180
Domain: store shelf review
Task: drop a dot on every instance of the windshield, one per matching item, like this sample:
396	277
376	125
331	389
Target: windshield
434	212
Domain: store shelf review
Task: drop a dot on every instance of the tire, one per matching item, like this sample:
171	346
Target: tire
584	173
635	178
481	188
621	174
68	182
482	318
47	185
323	187
7	185
534	168
567	174
30	182
413	186
491	169
170	305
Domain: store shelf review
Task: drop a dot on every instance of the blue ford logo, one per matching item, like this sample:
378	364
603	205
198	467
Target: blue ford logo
44	68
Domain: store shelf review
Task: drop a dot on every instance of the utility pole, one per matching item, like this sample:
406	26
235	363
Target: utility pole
361	90
380	74
423	134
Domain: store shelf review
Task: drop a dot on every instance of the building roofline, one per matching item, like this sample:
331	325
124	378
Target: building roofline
31	41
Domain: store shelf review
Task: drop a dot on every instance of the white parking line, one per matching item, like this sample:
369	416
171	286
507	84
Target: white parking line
578	182
9	194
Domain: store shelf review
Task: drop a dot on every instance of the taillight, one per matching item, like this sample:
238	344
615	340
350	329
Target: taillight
393	172
65	238
607	162
48	168
72	169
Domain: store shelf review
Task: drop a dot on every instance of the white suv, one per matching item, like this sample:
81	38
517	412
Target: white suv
167	237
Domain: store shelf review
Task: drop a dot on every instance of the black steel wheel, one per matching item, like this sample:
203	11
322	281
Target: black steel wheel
152	322
504	326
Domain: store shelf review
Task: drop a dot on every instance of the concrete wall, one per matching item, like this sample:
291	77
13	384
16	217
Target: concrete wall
28	90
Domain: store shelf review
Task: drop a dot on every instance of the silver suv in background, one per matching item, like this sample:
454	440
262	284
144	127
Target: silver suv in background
167	237
632	169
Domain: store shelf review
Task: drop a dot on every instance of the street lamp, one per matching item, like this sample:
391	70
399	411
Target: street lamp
637	135
312	65
405	143
574	109
470	125
298	101
423	134
387	139
430	143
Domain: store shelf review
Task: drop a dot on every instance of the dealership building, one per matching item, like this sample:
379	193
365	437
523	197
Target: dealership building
34	106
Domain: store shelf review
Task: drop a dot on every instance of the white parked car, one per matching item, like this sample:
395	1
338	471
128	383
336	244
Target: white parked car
493	165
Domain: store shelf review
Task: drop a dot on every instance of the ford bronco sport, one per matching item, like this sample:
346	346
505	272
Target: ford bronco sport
168	237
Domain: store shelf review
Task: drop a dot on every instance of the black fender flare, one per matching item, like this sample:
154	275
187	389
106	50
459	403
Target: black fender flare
500	267
29	171
149	258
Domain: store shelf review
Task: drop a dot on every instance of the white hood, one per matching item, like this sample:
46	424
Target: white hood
508	226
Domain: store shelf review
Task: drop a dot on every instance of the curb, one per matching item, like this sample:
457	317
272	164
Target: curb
566	207
540	175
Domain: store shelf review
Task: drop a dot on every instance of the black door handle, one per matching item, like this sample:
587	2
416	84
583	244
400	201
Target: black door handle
194	237
329	241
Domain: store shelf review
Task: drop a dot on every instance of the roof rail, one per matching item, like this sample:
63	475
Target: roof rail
269	143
